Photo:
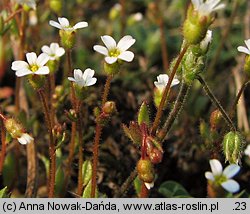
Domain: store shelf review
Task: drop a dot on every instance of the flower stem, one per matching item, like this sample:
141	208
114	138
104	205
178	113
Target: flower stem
80	152
216	103
52	149
166	92
98	133
175	111
13	14
3	140
243	87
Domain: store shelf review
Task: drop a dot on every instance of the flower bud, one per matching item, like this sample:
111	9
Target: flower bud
14	128
215	118
155	156
111	69
56	6
109	108
232	145
145	170
157	97
67	38
115	11
53	66
72	115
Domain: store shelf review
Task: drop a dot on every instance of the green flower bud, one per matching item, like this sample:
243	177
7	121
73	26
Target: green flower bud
67	38
143	115
157	97
111	69
115	11
232	145
145	170
195	27
36	81
56	6
14	128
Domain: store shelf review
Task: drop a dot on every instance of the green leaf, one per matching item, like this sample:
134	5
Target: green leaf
4	193
172	189
59	182
9	170
87	191
86	172
143	115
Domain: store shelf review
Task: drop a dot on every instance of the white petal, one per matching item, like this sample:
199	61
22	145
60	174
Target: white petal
28	138
247	42
231	170
64	22
231	186
247	150
219	7
125	43
160	86
149	185
110	60
216	167
46	49
209	176
101	49
42	59
55	24
22	140
31	58
81	83
17	65
127	56
196	3
88	74
53	47
175	82
78	74
109	42
80	25
243	50
163	79
42	70
59	52
71	79
23	72
91	81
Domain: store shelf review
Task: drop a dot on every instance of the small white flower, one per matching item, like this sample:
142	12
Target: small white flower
223	178
149	185
247	151
205	7
83	79
114	52
243	49
25	139
54	51
63	24
29	3
207	40
162	81
35	65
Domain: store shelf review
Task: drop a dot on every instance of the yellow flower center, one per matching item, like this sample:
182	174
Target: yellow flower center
34	68
114	53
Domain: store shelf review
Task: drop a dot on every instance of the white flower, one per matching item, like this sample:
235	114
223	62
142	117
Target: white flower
83	79
35	65
137	16
243	49
162	81
29	3
223	178
114	52
207	7
64	24
207	40
54	51
25	139
247	151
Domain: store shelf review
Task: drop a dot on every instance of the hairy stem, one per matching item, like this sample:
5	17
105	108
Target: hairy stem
98	133
166	92
52	150
216	103
243	87
174	112
80	152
